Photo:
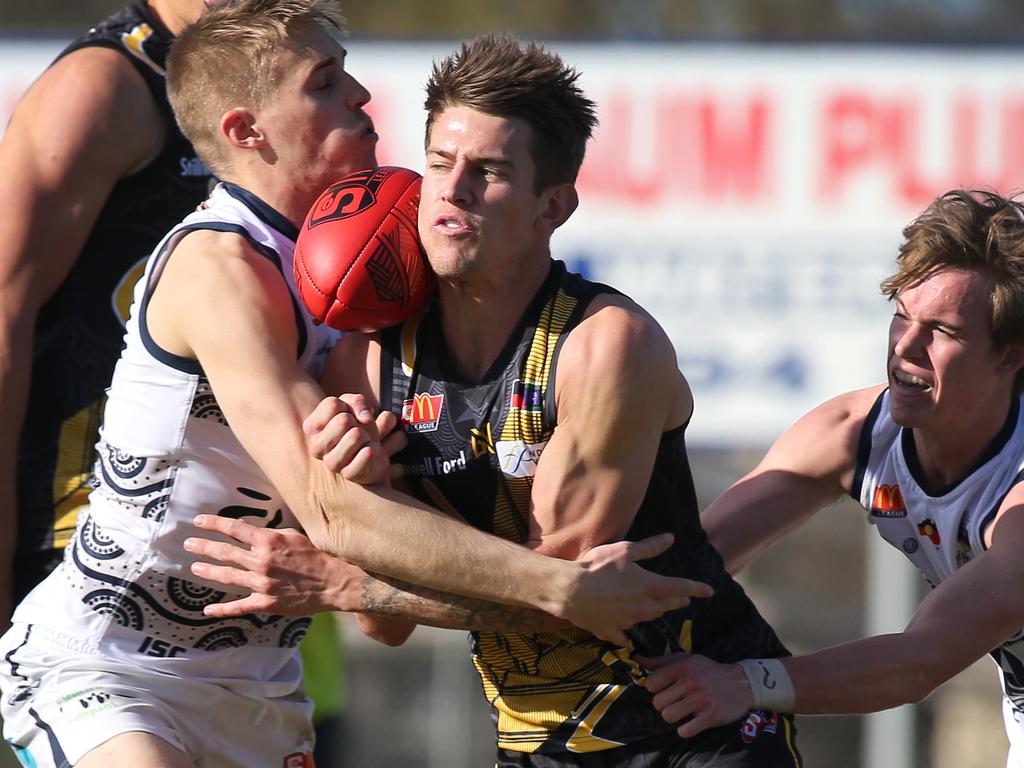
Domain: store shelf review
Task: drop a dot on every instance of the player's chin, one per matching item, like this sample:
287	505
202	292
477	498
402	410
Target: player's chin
358	154
445	265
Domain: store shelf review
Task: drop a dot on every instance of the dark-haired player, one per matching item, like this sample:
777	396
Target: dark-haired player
548	410
111	660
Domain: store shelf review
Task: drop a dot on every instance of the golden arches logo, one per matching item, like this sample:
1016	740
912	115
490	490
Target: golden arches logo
888	498
422	411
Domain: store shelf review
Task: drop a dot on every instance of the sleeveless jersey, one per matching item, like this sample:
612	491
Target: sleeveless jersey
940	533
474	449
79	330
166	454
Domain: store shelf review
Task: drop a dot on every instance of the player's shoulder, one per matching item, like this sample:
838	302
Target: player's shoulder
215	249
93	101
616	324
832	430
849	409
617	348
98	74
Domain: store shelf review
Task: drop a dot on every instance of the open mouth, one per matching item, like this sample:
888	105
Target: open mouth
909	381
453	225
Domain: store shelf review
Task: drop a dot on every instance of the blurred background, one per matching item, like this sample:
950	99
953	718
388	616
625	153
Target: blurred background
755	164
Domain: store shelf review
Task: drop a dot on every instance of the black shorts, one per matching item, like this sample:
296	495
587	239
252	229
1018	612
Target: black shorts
31	567
764	740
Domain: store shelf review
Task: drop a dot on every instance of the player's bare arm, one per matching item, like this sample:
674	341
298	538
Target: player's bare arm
226	306
879	672
354	366
791	483
85	123
617	390
287	575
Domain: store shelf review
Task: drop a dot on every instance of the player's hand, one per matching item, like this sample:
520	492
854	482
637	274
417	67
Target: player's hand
614	593
697	692
345	435
281	569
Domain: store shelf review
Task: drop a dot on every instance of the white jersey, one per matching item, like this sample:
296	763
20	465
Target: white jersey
940	533
166	453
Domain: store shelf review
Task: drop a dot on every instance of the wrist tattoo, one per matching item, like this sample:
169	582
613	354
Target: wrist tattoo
394	597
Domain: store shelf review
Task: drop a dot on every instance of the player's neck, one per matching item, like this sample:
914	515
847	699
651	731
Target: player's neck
291	200
480	313
947	455
175	15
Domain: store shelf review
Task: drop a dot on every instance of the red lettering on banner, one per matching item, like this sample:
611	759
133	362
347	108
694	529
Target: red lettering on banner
700	146
888	136
733	148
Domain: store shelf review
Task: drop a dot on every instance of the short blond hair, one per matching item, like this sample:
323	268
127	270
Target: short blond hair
228	58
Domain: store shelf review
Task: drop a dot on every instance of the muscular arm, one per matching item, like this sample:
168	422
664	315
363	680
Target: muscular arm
286	574
807	468
223	304
885	671
878	672
617	390
865	675
86	122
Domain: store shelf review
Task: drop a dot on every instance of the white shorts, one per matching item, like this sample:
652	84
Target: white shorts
1014	722
58	704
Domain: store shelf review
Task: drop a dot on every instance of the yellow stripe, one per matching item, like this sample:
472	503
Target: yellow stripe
75	455
788	728
408	343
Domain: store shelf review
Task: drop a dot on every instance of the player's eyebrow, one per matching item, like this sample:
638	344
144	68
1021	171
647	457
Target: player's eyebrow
324	63
935	322
445	154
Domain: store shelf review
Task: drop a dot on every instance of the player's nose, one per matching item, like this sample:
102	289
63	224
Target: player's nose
357	94
456	188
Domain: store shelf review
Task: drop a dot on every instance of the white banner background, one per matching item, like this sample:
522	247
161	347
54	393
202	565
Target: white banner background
751	198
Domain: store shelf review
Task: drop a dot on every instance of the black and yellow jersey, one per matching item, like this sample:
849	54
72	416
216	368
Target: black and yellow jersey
474	448
79	330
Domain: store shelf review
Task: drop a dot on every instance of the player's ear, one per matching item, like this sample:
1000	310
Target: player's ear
558	203
1012	358
238	125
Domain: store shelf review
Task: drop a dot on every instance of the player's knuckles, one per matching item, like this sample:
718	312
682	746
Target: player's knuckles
339	456
673	712
387	422
356	403
321	415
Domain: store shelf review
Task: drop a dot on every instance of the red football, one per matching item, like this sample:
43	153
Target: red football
359	265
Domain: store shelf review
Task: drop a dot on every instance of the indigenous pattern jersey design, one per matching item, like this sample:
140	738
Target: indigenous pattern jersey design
474	449
166	454
79	331
941	533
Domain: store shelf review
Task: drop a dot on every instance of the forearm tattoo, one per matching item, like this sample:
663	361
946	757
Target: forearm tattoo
384	595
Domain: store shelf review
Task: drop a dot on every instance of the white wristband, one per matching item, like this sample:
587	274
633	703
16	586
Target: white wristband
770	684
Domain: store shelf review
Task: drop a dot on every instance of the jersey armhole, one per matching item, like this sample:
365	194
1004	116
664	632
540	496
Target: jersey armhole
864	446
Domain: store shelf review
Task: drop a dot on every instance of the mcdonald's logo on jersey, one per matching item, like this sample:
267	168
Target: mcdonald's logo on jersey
422	412
888	502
